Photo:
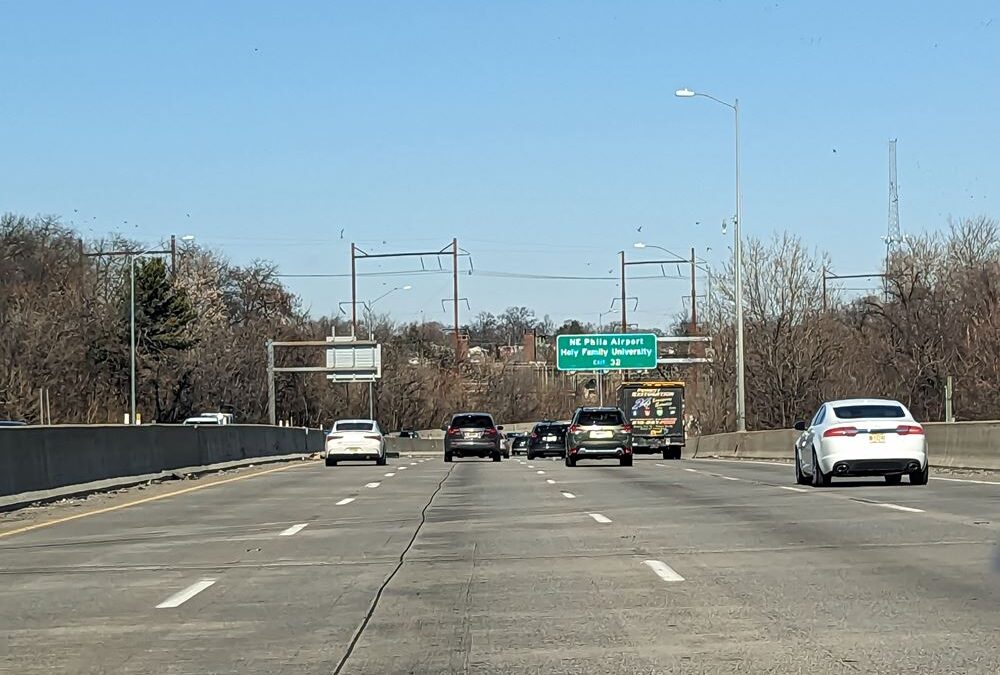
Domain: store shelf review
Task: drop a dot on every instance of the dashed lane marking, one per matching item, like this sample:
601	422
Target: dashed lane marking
345	501
599	518
663	570
294	529
179	598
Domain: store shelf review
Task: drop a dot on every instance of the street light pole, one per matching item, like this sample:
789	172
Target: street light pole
131	264
624	321
741	413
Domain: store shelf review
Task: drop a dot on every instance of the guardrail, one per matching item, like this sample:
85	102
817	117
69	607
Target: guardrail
40	461
957	445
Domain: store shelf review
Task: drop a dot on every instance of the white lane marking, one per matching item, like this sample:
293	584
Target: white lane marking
402	468
531	466
967	480
728	478
792	489
745	461
372	485
663	570
413	463
294	529
599	518
540	473
179	598
693	470
569	495
389	475
550	481
344	501
661	465
897	507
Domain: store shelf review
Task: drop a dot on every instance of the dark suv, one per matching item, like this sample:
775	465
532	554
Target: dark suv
547	438
472	435
599	433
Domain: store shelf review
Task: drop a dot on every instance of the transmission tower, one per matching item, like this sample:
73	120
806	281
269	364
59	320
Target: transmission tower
893	235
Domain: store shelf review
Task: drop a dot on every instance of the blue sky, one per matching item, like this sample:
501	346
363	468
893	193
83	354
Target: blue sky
541	134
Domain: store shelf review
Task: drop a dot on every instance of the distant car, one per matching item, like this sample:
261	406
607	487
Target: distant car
12	423
472	435
519	444
861	437
409	433
547	438
599	433
355	440
202	419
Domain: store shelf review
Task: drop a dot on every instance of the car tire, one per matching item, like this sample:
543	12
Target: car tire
447	456
800	478
497	457
570	461
531	455
380	461
921	477
818	478
625	461
331	462
675	453
894	479
666	454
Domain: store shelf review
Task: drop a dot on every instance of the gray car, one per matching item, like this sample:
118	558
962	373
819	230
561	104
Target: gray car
472	434
599	433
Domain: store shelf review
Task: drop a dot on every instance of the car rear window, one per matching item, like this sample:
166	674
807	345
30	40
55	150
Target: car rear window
857	412
551	430
472	421
600	418
353	426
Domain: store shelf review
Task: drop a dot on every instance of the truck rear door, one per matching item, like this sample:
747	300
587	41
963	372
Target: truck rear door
656	413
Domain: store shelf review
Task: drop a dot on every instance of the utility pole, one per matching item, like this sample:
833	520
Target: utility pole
624	321
454	269
271	412
173	256
694	306
354	291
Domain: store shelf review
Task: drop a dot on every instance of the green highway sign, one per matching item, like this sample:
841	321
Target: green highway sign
606	351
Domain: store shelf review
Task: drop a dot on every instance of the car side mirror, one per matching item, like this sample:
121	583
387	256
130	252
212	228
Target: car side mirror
800	426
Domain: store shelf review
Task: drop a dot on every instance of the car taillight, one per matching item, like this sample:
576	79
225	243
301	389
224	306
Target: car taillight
908	429
574	429
374	438
840	431
490	432
454	431
333	437
534	435
627	428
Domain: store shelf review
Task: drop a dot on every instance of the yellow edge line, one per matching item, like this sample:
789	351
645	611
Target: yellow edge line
145	500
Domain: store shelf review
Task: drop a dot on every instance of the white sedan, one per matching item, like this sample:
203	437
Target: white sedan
355	440
861	437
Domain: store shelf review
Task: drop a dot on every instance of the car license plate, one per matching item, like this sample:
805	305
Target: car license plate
876	438
600	434
471	434
550	439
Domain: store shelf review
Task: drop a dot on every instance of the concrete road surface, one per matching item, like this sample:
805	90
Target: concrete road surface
518	567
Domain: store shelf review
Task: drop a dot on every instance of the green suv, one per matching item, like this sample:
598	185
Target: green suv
599	433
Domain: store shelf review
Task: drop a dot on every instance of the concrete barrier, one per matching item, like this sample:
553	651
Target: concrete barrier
958	445
43	459
422	446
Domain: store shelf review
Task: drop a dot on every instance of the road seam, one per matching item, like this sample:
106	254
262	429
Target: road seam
399	565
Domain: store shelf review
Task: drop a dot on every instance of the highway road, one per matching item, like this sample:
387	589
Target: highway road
518	567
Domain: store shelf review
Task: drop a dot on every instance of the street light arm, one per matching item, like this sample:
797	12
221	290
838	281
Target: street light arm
717	100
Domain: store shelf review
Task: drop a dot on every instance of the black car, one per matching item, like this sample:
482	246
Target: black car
518	443
472	435
409	433
547	438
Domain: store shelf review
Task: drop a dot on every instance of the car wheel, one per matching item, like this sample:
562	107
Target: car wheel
531	455
380	461
894	479
920	477
331	462
496	457
666	454
570	461
625	461
800	478
447	456
818	478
